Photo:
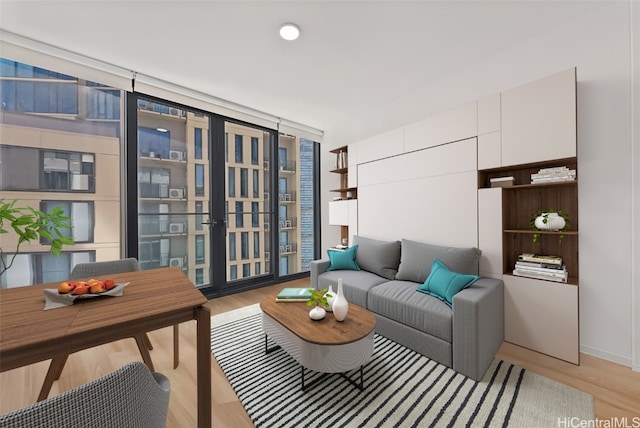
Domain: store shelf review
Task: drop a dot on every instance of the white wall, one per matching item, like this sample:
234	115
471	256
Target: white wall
599	45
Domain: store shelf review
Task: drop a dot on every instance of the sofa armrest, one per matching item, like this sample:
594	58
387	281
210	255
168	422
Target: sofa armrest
317	267
478	326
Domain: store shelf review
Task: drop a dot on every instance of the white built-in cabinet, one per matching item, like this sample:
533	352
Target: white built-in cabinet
537	129
537	122
489	132
542	316
344	213
490	232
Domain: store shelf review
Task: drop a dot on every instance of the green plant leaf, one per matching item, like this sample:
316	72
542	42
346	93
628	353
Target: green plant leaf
318	298
30	224
541	212
46	234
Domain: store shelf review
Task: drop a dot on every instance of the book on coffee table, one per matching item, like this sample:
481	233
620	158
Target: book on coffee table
293	295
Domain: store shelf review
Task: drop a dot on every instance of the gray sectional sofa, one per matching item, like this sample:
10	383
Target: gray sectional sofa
464	336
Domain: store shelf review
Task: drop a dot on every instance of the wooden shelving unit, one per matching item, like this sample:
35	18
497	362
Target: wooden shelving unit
523	199
344	191
539	314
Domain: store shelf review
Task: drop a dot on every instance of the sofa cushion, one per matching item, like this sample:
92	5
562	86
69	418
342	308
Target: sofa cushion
399	301
444	284
355	284
343	259
379	257
416	260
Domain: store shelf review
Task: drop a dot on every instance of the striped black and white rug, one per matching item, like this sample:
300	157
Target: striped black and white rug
402	388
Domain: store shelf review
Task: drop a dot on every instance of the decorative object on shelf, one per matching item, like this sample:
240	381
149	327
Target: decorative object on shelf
553	175
319	299
340	305
331	297
502	181
550	268
342	160
549	220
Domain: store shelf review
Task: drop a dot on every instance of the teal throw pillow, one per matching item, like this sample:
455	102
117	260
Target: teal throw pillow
343	259
444	284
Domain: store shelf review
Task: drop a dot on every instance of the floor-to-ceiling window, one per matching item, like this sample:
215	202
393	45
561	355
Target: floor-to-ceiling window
230	203
296	204
60	142
205	201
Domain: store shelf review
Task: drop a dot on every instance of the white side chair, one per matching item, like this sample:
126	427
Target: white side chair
131	396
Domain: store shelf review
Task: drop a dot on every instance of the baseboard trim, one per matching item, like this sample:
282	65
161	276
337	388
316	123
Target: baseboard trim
619	359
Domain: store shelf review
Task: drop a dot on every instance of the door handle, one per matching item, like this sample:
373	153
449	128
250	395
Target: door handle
215	222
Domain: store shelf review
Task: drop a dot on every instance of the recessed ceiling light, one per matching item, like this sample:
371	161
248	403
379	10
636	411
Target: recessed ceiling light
162	130
289	31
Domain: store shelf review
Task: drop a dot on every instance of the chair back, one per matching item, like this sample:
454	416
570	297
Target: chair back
131	396
85	270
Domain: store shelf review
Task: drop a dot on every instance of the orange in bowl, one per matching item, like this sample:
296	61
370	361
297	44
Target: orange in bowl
109	283
66	287
81	288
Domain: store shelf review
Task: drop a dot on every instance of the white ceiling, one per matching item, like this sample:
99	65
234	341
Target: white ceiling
358	68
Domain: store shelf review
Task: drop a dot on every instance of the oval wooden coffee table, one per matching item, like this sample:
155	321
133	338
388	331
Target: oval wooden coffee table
325	346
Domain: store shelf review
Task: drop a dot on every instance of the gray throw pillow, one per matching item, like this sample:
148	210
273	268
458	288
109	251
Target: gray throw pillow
379	257
416	260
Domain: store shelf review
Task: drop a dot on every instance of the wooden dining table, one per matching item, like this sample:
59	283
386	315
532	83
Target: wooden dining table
153	299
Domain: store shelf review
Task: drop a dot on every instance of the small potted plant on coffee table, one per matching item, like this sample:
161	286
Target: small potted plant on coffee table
319	302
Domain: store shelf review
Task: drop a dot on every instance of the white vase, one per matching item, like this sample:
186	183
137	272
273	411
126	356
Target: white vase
340	304
317	313
331	299
554	222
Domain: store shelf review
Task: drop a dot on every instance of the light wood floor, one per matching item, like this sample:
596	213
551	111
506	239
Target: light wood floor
616	389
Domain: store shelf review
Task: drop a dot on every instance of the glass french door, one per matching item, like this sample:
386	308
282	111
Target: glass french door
203	195
249	206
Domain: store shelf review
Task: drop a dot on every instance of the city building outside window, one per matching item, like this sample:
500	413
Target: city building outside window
82	219
244	245
254	151
197	143
73	163
199	181
231	179
239	148
244	183
232	245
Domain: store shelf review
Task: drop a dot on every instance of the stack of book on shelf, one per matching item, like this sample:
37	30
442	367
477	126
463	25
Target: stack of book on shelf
540	266
293	295
552	175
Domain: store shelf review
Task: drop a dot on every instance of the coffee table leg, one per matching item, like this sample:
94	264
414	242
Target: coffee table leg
268	350
360	385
